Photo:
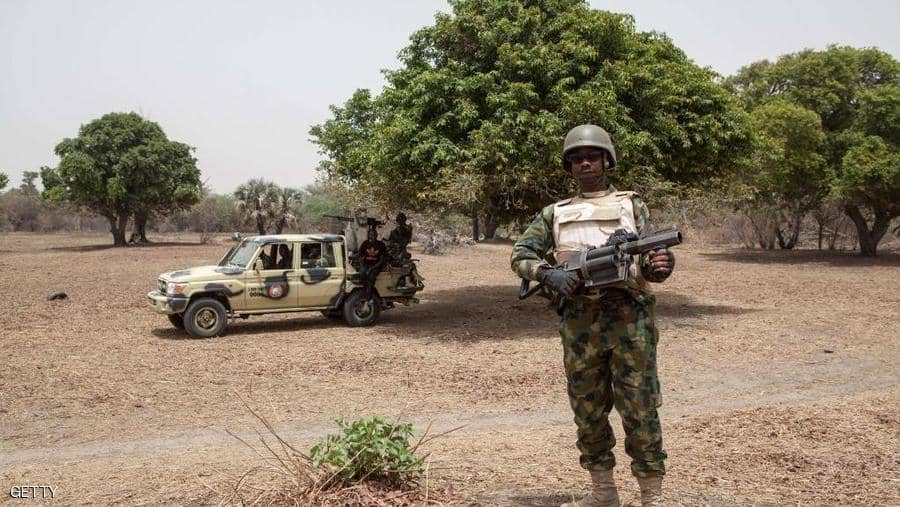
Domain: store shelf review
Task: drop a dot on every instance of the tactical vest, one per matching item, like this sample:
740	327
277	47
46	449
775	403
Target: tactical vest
589	220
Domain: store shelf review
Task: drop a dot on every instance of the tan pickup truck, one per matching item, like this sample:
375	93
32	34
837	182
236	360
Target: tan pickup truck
280	273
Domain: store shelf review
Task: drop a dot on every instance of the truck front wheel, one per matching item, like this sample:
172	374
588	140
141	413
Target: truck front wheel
205	317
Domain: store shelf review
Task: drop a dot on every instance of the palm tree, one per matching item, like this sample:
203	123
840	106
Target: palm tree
256	201
287	199
267	204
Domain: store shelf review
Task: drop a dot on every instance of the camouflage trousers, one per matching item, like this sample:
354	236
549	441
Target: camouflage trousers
609	351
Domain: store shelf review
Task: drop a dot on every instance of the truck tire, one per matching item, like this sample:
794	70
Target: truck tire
177	320
359	312
205	317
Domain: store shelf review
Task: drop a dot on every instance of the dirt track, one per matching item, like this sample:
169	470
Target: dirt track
779	374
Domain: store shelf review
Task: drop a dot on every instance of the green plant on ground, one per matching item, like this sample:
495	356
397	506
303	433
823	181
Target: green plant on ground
370	448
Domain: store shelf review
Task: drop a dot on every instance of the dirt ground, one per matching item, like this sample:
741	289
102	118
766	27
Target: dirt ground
779	370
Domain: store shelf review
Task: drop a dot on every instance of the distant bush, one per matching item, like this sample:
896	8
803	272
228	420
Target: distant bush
25	211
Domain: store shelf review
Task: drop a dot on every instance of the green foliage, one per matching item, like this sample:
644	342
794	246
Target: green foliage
122	164
474	119
870	175
787	161
369	448
856	94
4	180
317	200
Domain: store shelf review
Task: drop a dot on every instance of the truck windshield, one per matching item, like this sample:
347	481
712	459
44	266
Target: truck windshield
240	255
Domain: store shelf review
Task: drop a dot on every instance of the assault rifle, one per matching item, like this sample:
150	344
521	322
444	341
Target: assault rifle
372	223
609	264
342	219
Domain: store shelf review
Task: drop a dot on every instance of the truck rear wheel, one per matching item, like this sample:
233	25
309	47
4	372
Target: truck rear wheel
359	311
205	317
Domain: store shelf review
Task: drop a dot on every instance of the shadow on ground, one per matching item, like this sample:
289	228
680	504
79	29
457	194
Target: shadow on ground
494	313
674	305
258	325
790	257
94	248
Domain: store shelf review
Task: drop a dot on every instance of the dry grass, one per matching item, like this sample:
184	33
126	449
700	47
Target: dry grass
103	399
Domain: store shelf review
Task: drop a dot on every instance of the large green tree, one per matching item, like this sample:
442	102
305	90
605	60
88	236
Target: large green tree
121	165
787	173
856	94
473	120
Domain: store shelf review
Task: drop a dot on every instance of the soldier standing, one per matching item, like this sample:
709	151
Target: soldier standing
609	336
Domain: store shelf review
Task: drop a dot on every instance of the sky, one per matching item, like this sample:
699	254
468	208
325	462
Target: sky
243	82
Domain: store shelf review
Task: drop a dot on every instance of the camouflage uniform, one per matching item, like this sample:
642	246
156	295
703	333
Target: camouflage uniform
609	353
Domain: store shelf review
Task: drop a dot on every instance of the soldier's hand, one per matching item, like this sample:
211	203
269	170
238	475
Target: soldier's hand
560	280
662	262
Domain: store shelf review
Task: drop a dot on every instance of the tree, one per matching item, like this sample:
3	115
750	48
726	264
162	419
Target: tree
28	178
4	180
856	94
869	187
473	120
214	213
266	204
122	164
787	173
319	199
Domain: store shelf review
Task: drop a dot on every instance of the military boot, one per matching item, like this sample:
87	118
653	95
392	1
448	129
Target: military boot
651	491
603	492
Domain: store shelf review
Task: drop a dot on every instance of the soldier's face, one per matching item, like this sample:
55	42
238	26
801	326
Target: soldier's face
588	166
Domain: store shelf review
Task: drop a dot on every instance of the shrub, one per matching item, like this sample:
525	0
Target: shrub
370	448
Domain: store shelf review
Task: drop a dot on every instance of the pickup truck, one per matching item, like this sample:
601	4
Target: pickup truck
280	273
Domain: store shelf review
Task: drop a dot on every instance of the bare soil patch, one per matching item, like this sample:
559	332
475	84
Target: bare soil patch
778	368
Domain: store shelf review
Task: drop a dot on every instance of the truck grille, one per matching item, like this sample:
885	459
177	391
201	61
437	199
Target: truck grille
161	285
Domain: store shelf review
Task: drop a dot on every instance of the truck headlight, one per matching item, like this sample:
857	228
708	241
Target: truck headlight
173	288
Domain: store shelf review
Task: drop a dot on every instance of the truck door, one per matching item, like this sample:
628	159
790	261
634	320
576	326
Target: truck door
276	286
321	272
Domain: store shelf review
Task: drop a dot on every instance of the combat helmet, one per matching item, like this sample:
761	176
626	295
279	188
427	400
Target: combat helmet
588	135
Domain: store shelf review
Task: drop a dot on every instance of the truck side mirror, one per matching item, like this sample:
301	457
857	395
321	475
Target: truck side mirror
259	265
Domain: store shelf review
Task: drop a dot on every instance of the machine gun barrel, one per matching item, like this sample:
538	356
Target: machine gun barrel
342	219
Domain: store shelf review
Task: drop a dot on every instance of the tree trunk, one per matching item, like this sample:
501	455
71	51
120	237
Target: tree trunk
821	232
764	227
490	226
139	233
117	227
868	239
261	224
794	229
476	233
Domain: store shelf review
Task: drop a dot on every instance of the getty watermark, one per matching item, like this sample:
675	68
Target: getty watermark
39	491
